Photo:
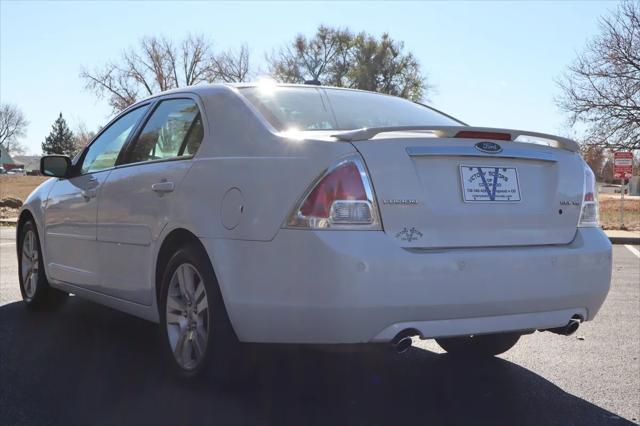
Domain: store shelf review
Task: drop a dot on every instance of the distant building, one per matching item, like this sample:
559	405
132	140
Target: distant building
30	163
5	159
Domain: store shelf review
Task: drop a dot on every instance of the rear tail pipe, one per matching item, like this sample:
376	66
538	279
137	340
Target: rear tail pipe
402	345
402	342
568	329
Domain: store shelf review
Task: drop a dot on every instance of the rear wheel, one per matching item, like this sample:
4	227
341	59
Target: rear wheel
479	345
198	334
34	287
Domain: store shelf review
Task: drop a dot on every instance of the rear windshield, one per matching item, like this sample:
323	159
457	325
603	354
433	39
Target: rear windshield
311	108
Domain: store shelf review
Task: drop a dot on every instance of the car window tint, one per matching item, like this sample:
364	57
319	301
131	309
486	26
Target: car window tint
173	123
194	136
289	108
103	152
302	108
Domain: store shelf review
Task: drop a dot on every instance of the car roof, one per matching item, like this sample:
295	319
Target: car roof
307	86
212	87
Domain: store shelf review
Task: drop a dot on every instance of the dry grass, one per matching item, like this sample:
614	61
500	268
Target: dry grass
17	187
610	212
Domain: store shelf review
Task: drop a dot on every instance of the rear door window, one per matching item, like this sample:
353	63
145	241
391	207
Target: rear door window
174	130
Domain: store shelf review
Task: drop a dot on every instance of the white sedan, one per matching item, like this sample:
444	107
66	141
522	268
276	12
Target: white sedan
263	213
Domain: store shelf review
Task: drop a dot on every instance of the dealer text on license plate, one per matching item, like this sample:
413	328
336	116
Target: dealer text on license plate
489	184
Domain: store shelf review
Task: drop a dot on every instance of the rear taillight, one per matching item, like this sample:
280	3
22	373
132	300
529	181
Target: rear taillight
342	198
589	214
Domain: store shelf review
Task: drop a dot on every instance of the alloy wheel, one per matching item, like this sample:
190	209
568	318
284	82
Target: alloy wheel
29	266
187	316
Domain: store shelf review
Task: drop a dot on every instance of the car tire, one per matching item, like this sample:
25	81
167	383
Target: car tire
479	345
34	287
198	334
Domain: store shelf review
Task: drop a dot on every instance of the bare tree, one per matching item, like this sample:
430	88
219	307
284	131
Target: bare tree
158	64
607	171
595	156
601	89
13	125
81	137
337	57
231	66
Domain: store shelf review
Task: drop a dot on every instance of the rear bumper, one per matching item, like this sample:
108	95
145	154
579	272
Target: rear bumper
356	287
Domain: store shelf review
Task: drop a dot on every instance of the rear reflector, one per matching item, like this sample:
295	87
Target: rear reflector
484	135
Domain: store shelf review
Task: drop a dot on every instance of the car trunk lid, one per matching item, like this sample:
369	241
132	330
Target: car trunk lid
440	192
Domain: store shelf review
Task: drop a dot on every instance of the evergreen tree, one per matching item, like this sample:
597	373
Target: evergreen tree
60	140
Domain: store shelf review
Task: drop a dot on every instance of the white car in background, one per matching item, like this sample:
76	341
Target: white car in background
17	172
271	213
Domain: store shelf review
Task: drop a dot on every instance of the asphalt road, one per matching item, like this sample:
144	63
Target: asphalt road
86	364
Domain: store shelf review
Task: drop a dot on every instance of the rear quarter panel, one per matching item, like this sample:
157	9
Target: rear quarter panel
266	174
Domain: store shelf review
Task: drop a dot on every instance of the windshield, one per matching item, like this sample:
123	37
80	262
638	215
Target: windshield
312	108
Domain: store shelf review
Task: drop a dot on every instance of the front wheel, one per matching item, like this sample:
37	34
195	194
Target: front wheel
35	289
479	345
198	334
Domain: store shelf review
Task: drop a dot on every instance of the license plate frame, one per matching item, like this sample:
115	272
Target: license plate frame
478	185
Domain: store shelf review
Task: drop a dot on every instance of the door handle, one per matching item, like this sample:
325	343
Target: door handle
90	190
163	187
88	193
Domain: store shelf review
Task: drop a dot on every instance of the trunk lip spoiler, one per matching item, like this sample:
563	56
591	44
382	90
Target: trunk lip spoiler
367	133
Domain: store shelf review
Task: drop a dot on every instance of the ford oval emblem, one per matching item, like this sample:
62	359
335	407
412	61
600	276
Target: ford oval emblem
488	147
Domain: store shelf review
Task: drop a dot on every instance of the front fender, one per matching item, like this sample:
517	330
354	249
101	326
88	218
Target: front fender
35	206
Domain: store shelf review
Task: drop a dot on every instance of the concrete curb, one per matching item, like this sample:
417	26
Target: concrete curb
625	240
623	237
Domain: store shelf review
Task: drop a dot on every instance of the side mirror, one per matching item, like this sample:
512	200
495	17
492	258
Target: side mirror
55	165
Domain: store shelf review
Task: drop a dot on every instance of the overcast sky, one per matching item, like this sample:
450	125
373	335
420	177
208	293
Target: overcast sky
492	63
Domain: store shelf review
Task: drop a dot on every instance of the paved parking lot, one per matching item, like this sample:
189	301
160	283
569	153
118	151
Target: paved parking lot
86	364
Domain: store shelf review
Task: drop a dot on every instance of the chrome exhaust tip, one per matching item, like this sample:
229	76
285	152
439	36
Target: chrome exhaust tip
572	327
402	345
567	330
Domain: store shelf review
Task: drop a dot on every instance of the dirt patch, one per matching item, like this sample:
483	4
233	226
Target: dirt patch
17	187
12	203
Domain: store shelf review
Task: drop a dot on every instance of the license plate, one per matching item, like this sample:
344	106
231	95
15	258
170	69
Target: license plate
489	184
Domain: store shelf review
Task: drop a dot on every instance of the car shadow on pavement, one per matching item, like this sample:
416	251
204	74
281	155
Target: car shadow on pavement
87	364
